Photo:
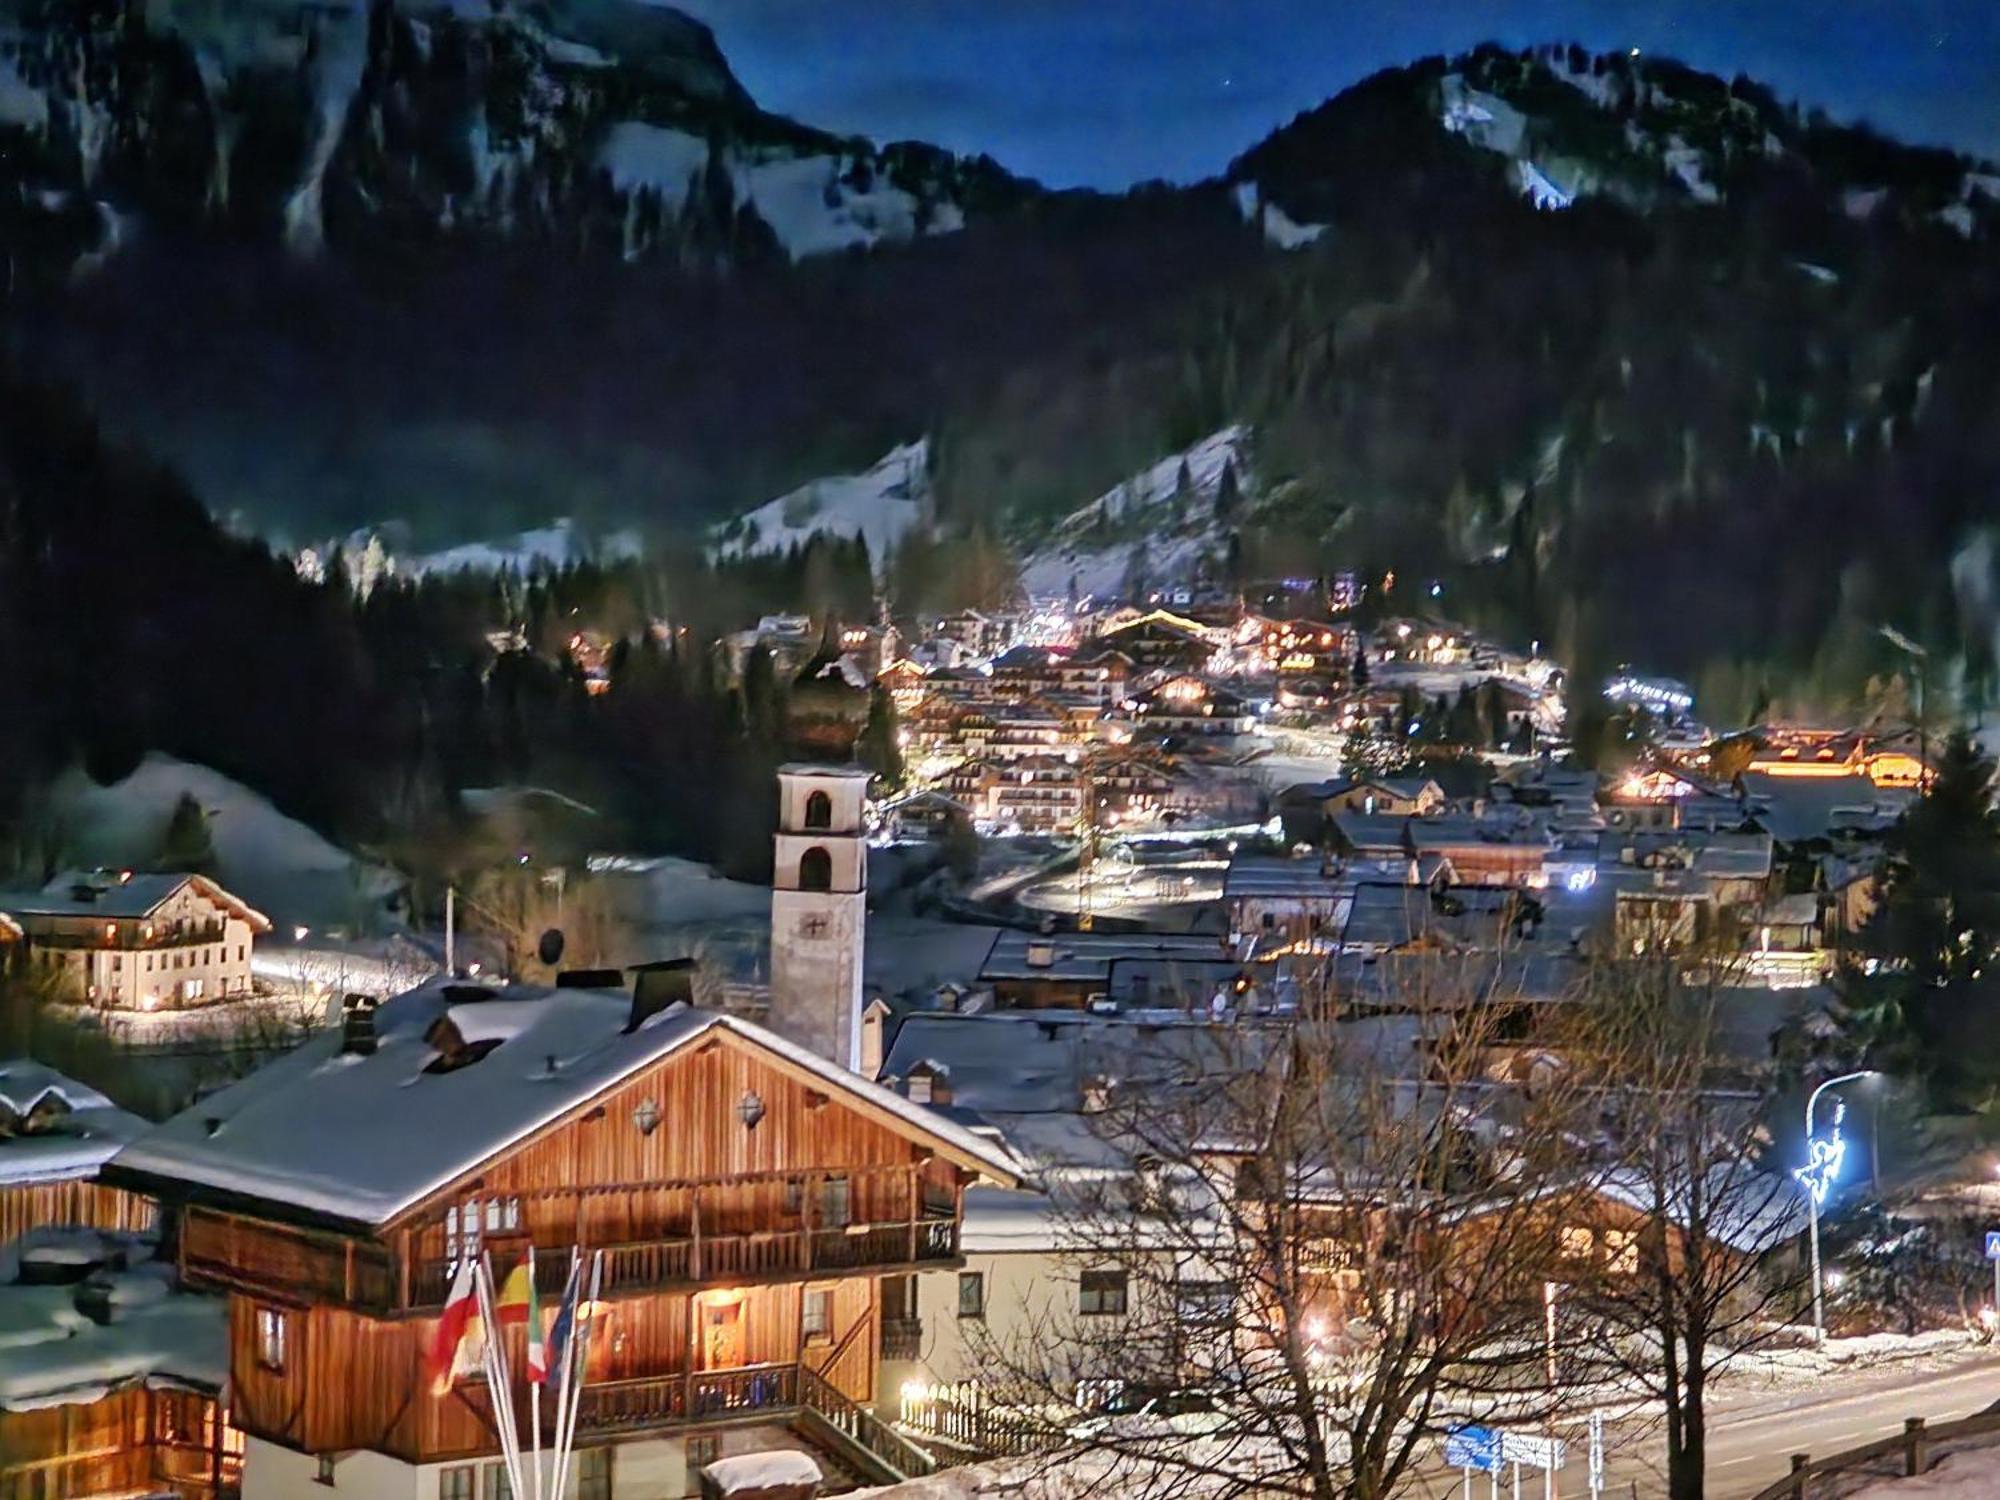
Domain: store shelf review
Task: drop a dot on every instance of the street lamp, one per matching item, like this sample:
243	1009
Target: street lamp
1823	1160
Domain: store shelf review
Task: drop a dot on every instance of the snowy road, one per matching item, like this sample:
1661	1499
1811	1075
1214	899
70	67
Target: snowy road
1751	1437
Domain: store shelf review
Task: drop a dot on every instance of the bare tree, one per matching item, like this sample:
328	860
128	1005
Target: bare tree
1702	1267
1330	1240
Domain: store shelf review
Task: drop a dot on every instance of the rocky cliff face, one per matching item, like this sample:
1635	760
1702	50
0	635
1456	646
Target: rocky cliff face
607	126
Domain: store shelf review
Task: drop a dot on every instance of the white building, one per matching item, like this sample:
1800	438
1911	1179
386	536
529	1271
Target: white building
819	909
128	941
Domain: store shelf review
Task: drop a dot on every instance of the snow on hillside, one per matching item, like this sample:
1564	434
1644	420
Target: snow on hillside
276	863
1280	230
555	545
1149	530
878	506
814	203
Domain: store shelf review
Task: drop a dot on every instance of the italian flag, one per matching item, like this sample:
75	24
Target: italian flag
460	1315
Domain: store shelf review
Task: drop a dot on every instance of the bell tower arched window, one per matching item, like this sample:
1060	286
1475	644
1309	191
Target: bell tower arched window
819	811
816	869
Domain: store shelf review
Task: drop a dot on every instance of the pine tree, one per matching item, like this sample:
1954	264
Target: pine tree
187	846
879	748
1227	494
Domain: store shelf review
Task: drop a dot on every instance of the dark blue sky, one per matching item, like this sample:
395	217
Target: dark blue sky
1108	92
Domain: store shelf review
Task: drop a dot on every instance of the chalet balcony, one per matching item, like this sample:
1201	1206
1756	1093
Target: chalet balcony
775	1392
700	1260
902	1338
665	1236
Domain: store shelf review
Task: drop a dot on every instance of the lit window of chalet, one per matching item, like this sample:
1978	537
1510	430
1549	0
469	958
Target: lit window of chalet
272	1337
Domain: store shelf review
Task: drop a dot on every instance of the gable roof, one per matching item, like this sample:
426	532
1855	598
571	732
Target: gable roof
364	1139
123	893
76	1143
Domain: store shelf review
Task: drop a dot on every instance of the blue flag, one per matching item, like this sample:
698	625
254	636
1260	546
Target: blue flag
565	1323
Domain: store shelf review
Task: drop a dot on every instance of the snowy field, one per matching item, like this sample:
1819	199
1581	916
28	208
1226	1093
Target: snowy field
1156	529
879	506
276	863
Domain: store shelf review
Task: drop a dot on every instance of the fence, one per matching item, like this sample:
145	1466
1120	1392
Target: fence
1907	1454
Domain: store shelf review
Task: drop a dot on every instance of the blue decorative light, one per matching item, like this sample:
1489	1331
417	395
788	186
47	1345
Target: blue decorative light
1823	1158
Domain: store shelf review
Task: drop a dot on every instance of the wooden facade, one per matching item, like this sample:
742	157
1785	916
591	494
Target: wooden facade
135	1440
71	1201
746	1210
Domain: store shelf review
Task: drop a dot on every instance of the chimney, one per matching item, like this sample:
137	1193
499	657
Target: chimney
656	986
357	1026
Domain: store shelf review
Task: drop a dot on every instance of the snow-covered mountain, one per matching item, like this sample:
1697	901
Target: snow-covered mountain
1647	132
1169	523
612	125
879	506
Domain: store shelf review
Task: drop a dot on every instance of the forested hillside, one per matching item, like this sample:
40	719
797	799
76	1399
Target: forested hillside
1634	360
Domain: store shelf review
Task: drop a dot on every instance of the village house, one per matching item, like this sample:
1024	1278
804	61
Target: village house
1037	794
54	1135
126	941
111	1381
1186	707
1070	970
748	1196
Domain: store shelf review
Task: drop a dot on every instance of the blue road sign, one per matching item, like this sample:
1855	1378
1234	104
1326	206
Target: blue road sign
1473	1448
1993	1244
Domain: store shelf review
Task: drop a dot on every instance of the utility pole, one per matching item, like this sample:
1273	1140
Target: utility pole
450	898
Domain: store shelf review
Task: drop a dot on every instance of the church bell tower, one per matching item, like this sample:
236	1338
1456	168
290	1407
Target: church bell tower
819	899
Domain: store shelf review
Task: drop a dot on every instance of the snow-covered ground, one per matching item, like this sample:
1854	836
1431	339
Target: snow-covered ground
276	863
1280	230
815	203
555	545
1972	1474
878	505
1144	525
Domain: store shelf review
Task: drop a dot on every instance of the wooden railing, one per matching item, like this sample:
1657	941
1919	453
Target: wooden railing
902	1338
1908	1453
860	1426
652	1265
650	1401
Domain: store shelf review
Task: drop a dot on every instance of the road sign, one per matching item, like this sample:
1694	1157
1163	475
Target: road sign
1532	1450
1474	1448
1993	1244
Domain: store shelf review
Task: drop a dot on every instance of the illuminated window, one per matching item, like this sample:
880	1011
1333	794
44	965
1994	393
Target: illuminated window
1621	1252
272	1336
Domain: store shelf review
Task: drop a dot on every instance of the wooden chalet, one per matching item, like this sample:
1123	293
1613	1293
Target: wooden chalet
54	1135
748	1195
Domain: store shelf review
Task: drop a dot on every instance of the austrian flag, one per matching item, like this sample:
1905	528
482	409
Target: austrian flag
460	1315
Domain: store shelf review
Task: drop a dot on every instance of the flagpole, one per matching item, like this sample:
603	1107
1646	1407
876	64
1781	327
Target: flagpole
579	1355
566	1305
534	1385
501	1395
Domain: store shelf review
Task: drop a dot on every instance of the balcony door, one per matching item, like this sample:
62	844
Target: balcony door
721	1335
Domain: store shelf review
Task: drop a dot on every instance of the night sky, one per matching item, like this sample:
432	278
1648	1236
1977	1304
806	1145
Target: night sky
1110	92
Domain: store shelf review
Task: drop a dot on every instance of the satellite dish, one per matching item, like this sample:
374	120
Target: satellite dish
550	949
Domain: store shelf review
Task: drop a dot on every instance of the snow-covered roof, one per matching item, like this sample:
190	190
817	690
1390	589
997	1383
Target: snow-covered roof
362	1139
1745	1208
1000	1221
75	1143
122	893
52	1353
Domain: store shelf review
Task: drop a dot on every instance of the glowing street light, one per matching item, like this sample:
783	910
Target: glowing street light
1823	1159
